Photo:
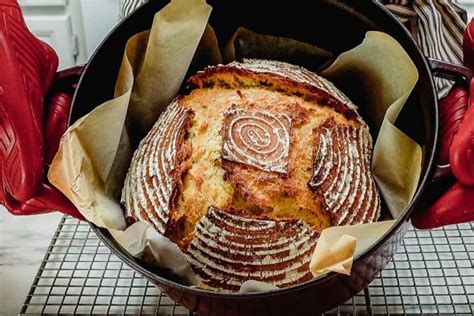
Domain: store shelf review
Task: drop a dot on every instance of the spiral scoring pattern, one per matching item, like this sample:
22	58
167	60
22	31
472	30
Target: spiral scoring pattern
341	174
257	138
150	184
229	249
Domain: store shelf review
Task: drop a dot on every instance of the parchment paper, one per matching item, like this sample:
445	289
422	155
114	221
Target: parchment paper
96	148
378	75
382	70
155	249
95	152
336	247
169	49
252	286
247	44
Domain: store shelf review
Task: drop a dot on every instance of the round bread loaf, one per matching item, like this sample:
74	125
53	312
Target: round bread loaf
245	170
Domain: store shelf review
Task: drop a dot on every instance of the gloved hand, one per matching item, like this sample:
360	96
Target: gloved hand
28	72
457	133
461	153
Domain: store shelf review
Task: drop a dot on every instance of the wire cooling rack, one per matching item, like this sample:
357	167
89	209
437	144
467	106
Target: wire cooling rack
432	273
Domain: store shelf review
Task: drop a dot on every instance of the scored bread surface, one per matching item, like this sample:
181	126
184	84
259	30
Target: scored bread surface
245	171
257	138
230	248
341	173
155	172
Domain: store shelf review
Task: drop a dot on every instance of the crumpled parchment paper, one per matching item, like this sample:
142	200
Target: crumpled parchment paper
95	151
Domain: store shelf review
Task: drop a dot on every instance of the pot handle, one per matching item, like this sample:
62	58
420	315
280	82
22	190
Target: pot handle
58	105
450	71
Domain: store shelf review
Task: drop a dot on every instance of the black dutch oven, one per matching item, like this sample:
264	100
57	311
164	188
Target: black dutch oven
336	25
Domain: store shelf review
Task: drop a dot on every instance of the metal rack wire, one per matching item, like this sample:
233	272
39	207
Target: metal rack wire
432	273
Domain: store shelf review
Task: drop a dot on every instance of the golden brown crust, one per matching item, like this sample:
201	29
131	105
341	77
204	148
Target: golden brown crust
277	76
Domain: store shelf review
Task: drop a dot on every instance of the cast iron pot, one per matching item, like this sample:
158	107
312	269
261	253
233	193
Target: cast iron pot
336	26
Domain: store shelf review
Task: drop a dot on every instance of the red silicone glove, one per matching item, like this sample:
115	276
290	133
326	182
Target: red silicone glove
454	207
468	45
461	154
27	73
457	141
452	109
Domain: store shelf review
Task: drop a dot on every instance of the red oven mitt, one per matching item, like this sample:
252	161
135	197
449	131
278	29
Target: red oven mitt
457	133
28	71
461	153
454	207
452	109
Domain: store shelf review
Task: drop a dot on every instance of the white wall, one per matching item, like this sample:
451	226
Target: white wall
98	20
74	9
63	22
58	22
468	5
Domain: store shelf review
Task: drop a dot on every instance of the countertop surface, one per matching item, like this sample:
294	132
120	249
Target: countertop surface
23	243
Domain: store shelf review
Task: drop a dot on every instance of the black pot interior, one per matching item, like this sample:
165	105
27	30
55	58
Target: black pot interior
334	25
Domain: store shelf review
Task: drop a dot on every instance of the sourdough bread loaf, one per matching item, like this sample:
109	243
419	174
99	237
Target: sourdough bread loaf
245	170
